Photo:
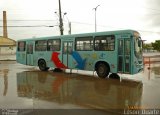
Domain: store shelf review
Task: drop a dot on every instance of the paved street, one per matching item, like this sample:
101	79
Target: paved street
25	87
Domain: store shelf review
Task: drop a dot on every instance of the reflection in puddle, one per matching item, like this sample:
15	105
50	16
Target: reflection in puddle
4	74
151	62
153	71
156	70
84	91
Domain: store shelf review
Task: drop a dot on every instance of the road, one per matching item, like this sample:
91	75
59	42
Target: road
24	89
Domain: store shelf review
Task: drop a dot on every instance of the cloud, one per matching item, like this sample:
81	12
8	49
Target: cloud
153	13
112	14
152	4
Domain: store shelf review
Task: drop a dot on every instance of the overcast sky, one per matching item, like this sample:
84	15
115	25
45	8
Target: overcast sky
140	15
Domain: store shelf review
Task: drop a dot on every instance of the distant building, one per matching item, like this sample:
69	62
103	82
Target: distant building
7	45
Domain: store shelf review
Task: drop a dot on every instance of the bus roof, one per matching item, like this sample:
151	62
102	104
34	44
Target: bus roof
83	34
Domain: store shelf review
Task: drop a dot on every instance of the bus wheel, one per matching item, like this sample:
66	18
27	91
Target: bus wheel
42	65
114	76
102	70
58	70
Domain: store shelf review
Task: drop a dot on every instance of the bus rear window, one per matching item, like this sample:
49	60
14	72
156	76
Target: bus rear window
21	46
41	45
104	43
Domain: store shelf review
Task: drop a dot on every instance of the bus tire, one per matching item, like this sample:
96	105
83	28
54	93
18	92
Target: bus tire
42	65
102	70
114	76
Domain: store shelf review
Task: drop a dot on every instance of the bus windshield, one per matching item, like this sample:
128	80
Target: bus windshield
138	47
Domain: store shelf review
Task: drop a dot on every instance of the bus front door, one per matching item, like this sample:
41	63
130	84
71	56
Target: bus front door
124	56
29	58
67	54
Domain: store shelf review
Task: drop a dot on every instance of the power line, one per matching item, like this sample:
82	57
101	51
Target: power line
28	20
26	26
117	27
33	26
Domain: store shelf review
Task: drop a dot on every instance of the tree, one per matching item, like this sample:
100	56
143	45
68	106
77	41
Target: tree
147	46
156	45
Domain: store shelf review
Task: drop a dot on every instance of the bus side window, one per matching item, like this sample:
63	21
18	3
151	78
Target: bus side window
104	43
84	43
29	49
127	45
21	46
36	46
54	45
41	45
99	46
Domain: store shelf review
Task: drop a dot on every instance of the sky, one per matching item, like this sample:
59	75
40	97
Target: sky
140	15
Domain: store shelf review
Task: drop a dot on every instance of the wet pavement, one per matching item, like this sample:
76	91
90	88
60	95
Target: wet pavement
25	87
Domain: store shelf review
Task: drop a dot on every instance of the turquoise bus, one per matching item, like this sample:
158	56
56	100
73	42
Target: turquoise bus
104	52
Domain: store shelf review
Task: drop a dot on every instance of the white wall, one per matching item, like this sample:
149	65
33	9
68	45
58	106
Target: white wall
7	50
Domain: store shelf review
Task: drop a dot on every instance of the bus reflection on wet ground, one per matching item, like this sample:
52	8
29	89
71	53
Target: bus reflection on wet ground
78	91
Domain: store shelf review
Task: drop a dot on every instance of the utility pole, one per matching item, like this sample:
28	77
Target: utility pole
69	23
69	31
60	19
95	17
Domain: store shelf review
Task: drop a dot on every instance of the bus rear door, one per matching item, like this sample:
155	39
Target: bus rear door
124	55
67	54
29	56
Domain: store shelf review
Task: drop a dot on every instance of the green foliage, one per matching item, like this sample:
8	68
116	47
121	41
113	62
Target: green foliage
147	46
156	45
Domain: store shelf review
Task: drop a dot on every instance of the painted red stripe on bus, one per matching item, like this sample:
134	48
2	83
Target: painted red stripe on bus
57	61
